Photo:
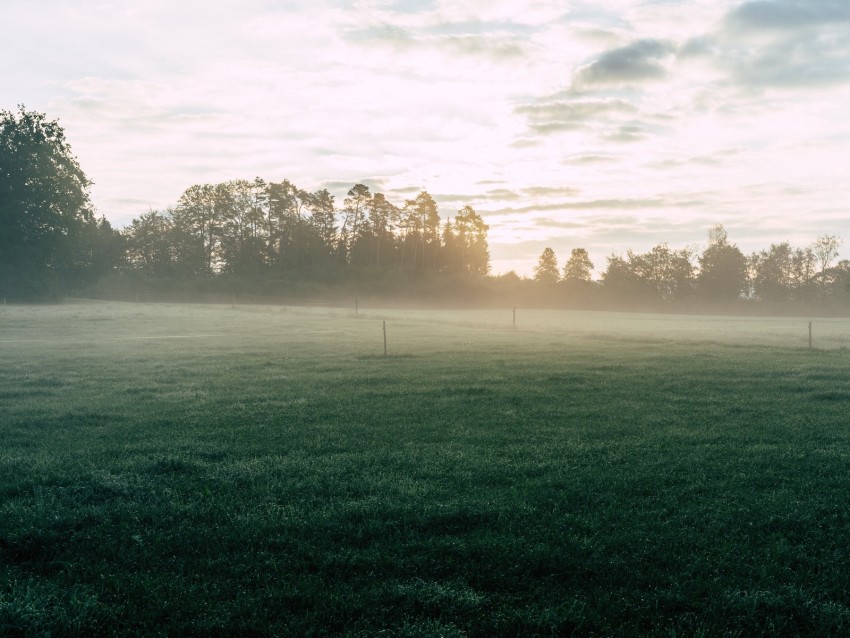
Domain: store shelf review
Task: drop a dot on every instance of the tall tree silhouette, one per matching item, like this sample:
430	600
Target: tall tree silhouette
383	220
546	270
354	235
578	266
44	204
722	268
196	215
470	242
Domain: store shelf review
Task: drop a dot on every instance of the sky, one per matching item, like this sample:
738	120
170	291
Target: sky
606	124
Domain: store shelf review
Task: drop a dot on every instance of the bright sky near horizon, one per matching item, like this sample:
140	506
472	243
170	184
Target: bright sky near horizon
603	124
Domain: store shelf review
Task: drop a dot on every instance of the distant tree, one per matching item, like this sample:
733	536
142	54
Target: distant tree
323	222
803	264
470	242
44	204
98	250
722	268
618	273
682	274
353	226
660	274
578	266
825	250
772	273
668	272
451	253
420	225
383	219
195	217
150	245
625	280
241	205
838	282
546	270
287	226
425	209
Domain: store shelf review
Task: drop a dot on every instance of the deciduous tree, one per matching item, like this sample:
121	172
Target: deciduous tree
825	250
722	268
44	204
578	266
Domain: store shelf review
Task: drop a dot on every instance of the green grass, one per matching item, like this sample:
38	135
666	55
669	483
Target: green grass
189	470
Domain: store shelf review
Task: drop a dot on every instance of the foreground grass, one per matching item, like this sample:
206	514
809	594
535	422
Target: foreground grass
279	477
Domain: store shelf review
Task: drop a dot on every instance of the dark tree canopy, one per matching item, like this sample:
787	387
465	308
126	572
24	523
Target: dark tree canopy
44	205
723	268
264	230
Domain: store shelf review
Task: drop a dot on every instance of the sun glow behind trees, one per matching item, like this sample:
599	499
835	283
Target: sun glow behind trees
259	232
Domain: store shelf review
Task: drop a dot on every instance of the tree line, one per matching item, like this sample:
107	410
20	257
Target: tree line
252	233
775	277
51	241
256	228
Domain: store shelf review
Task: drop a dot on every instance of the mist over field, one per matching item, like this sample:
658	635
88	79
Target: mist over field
232	469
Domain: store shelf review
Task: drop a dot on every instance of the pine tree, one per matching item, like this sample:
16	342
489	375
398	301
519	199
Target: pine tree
546	270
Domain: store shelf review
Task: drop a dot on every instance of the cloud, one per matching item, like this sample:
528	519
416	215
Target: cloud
478	27
787	15
406	190
375	184
508	195
566	115
640	61
590	159
700	160
786	43
548	222
803	62
699	46
550	191
600	204
497	47
530	193
606	119
525	143
502	194
410	6
381	34
629	133
495	40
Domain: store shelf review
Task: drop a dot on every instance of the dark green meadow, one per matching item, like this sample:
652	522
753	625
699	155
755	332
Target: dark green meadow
191	470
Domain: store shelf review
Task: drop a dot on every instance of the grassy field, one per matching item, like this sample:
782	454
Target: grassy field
208	470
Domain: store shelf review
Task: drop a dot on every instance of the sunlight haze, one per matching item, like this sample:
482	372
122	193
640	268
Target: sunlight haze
606	125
